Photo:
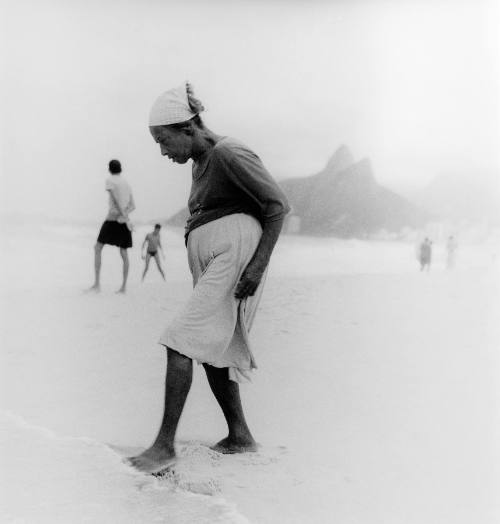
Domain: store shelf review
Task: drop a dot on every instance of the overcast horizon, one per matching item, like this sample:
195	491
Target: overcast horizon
412	85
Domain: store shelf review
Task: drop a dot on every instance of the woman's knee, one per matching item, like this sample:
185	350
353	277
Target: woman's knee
178	360
219	373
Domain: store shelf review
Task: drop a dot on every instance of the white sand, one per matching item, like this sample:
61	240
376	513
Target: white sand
376	399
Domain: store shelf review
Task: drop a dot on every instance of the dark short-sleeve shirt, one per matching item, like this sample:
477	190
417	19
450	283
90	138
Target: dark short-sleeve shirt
230	178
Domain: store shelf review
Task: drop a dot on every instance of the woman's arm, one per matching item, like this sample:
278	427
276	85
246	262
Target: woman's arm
246	171
131	204
251	277
117	203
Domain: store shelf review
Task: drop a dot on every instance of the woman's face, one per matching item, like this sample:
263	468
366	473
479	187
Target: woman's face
175	144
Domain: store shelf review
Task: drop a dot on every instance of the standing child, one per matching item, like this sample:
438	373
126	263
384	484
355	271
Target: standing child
154	246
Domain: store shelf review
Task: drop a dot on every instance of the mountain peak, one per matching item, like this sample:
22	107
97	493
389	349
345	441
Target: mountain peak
341	159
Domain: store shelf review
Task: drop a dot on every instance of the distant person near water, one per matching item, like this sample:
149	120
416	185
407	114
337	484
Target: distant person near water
116	229
425	254
236	216
153	250
451	252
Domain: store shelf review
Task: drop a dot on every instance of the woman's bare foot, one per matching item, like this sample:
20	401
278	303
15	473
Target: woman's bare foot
230	446
96	288
153	460
122	290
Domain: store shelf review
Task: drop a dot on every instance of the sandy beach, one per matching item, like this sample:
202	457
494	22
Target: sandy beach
376	399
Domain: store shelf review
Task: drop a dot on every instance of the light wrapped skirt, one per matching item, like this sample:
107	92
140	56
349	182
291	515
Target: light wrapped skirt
213	326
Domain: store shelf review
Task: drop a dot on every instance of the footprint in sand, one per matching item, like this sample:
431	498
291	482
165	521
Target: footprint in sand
204	471
186	478
196	471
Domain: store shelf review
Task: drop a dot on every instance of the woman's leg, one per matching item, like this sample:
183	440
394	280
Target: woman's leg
227	393
177	385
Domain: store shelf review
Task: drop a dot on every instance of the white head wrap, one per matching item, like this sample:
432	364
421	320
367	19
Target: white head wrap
172	107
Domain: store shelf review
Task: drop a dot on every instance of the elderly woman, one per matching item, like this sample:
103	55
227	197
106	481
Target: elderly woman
236	215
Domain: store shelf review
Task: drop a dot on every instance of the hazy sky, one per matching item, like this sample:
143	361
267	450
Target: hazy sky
412	84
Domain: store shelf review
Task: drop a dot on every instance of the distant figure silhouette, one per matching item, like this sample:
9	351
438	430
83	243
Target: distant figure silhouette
451	252
153	250
425	254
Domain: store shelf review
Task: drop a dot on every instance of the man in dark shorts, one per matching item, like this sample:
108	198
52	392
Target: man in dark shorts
153	250
116	230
